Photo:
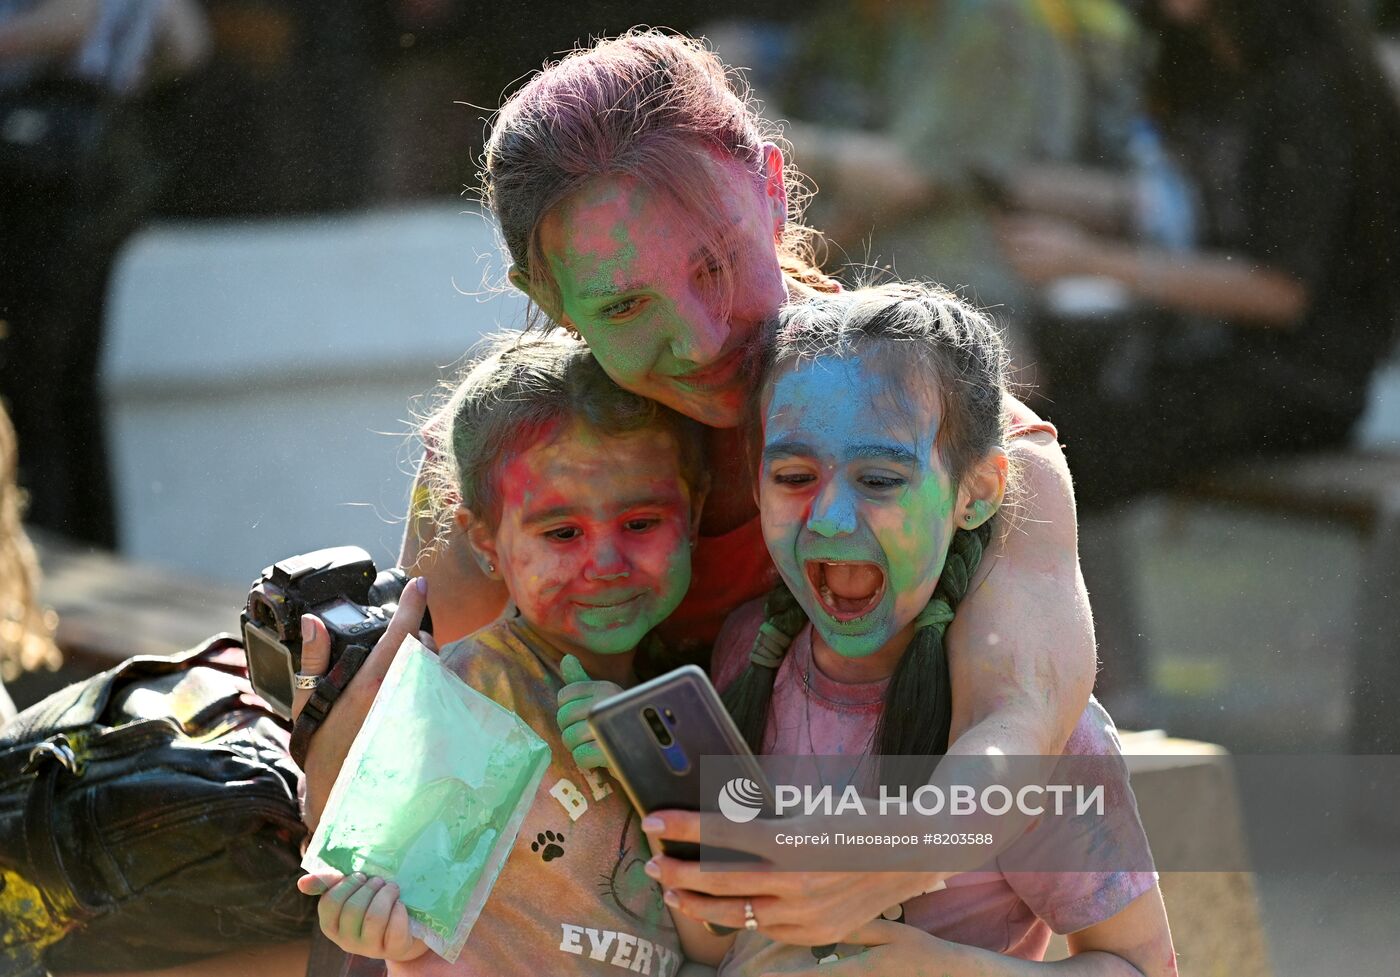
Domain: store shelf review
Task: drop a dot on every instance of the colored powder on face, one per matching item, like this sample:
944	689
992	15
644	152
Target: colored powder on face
863	503
632	267
593	538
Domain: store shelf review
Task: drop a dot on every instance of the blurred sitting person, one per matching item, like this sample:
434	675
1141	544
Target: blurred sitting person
1260	339
76	178
925	108
1281	117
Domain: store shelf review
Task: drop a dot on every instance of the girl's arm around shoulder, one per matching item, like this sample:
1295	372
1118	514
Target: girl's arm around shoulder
1021	648
1137	935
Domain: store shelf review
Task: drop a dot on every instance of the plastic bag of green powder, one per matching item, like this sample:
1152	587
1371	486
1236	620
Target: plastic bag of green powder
431	796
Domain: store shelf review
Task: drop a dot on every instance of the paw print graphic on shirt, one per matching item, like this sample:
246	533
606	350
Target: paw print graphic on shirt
549	844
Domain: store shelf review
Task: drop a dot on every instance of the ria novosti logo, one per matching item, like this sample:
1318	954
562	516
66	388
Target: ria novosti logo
740	800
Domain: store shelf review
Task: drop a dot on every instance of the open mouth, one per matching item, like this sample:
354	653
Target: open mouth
847	590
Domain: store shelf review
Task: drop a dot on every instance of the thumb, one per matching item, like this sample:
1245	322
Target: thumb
315	657
315	646
572	670
315	885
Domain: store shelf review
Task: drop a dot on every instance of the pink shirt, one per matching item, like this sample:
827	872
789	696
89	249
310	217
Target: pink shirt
1011	913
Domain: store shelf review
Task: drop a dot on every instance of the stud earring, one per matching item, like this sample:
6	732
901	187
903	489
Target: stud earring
490	568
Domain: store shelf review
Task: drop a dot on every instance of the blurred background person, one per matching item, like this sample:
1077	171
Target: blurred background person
26	629
1261	334
913	116
76	178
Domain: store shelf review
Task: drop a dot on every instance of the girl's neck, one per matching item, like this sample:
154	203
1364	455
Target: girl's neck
730	503
604	668
608	668
870	668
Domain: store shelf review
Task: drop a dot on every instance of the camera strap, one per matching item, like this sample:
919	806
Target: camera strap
327	690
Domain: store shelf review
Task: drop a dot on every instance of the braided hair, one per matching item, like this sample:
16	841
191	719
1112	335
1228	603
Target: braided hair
933	332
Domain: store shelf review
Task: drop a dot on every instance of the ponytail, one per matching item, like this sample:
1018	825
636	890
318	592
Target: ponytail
748	696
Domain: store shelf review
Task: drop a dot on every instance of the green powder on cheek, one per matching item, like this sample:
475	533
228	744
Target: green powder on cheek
925	512
616	349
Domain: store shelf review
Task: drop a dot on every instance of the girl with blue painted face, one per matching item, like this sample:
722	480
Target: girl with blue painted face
880	432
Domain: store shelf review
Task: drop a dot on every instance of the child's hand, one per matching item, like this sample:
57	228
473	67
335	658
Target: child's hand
363	916
575	699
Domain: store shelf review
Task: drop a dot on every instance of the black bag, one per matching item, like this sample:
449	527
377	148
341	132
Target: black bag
148	817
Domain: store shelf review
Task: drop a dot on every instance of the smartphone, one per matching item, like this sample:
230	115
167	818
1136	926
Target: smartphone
654	736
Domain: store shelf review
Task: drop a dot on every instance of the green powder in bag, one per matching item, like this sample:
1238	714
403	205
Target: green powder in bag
431	796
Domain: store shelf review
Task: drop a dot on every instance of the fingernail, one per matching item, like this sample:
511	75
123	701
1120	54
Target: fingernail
652	869
422	584
307	631
316	887
671	899
653	824
359	877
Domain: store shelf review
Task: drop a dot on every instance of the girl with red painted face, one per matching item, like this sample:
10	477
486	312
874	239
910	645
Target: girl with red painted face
582	500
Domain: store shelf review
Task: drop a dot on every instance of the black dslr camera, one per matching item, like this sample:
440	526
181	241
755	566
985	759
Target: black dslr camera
339	585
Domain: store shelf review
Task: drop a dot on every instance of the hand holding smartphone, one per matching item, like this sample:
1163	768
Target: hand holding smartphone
654	735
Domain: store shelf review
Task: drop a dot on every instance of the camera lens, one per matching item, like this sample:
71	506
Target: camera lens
658	728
